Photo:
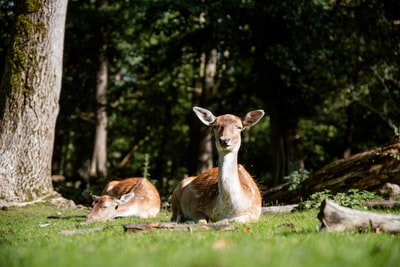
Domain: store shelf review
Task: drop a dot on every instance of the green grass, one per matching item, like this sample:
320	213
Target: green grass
29	238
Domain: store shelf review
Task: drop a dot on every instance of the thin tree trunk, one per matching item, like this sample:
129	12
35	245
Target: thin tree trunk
349	131
201	137
98	164
29	95
205	156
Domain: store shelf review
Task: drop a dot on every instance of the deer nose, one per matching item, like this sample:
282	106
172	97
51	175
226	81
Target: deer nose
224	140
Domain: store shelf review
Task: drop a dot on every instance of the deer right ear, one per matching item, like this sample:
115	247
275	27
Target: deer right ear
94	197
252	118
204	115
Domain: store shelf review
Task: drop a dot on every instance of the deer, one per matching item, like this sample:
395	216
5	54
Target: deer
224	193
136	197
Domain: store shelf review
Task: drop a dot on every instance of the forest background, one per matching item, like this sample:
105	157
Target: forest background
326	73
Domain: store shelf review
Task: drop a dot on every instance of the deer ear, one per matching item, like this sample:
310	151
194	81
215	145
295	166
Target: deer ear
125	198
204	115
252	118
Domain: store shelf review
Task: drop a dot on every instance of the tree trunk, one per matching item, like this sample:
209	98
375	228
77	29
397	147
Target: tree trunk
201	137
98	164
29	95
348	141
367	170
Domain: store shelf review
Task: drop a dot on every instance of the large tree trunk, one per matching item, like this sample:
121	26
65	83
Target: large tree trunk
367	170
29	95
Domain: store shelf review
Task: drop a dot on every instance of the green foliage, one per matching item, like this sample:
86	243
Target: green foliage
296	177
331	67
353	198
29	238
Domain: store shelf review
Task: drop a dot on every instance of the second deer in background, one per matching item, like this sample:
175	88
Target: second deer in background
228	191
136	197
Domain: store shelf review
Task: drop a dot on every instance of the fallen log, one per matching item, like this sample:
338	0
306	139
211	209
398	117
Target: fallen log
367	170
335	218
171	226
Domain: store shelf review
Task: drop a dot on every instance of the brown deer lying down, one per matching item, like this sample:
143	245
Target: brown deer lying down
227	192
129	197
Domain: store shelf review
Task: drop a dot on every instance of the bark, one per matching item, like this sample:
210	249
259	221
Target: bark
205	156
98	164
348	142
335	218
29	95
367	170
201	137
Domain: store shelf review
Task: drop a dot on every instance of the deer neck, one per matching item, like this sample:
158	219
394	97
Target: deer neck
228	179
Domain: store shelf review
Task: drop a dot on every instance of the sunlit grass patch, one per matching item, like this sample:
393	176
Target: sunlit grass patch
29	238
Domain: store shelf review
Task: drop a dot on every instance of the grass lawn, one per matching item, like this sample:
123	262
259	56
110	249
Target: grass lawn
29	238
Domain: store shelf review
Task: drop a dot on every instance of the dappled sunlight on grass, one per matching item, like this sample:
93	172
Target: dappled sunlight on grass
30	238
